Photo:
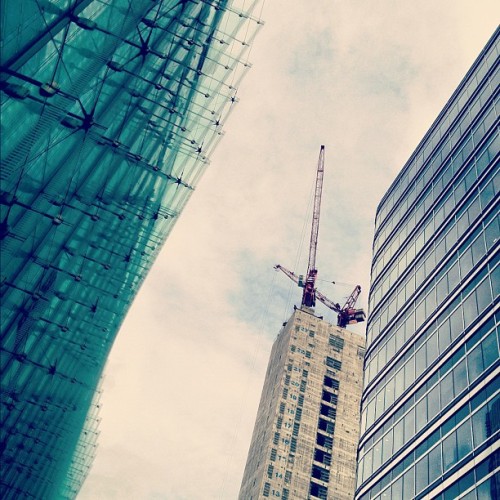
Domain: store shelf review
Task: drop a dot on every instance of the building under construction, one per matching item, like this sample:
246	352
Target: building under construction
307	427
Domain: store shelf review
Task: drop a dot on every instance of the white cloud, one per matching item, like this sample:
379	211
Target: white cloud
184	378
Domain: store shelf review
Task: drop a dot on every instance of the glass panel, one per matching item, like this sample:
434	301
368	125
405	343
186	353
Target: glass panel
421	414
450	452
435	466
433	402
422	474
464	439
475	364
459	377
490	349
409	483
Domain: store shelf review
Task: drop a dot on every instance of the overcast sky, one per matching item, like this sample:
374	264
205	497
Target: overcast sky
364	78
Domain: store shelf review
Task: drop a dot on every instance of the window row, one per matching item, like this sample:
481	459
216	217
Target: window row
440	221
320	473
409	173
432	400
318	491
307	354
453	441
329	397
429	298
267	491
459	314
424	190
423	354
324	441
331	382
481	483
437	220
328	411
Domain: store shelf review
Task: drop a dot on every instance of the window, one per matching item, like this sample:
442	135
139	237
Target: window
318	491
333	363
328	411
330	382
270	470
464	440
267	489
450	451
422	473
336	342
322	456
435	464
325	441
320	473
326	426
330	397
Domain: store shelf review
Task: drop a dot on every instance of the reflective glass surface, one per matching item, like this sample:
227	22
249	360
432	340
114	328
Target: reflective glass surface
110	111
432	361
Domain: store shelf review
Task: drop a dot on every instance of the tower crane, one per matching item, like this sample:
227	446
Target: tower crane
348	314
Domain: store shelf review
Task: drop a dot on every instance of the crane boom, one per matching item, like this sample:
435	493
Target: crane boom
334	306
290	274
309	295
353	298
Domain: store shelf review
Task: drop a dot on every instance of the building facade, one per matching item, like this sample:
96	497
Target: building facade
110	111
430	407
307	427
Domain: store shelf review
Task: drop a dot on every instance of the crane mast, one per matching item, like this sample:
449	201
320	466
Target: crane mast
347	314
309	294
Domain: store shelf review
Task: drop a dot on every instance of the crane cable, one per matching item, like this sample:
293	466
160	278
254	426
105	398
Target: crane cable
300	246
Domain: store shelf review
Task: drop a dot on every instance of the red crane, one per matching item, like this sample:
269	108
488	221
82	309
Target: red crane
347	314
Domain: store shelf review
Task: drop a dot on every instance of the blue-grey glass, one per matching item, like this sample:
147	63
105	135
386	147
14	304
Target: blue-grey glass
431	331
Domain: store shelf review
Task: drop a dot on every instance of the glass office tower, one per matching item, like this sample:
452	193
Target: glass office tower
430	407
110	111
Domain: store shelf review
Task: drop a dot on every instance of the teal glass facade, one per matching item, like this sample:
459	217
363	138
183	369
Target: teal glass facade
110	112
430	407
